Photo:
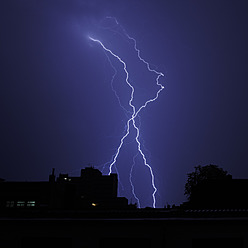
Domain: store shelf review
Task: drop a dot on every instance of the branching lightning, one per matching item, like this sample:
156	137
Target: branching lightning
134	113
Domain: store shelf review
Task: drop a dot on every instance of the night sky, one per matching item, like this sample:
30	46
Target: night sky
58	109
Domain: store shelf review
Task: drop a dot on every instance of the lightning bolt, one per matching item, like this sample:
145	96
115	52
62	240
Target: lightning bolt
112	81
131	182
135	112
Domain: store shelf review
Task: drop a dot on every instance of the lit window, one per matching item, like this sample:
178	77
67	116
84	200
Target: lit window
31	204
94	204
10	204
20	204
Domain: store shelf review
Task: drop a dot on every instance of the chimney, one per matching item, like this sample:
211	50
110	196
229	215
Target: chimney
52	177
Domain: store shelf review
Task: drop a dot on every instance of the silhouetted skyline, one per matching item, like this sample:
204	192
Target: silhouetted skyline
207	191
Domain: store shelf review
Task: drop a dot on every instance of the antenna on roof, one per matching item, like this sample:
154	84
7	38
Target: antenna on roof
90	165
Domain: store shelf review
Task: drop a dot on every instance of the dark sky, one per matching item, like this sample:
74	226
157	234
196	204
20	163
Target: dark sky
58	110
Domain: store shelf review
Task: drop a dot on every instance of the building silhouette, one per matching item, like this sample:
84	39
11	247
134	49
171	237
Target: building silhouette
90	190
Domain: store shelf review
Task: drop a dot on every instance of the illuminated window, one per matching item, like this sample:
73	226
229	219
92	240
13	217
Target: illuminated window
20	204
94	204
10	204
31	204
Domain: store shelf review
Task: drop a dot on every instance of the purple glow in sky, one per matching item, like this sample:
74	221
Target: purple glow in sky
58	108
134	114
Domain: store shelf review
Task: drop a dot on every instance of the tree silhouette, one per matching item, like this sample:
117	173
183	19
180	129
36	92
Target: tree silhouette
200	174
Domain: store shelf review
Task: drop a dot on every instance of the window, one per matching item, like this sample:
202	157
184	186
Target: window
20	204
10	204
30	203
